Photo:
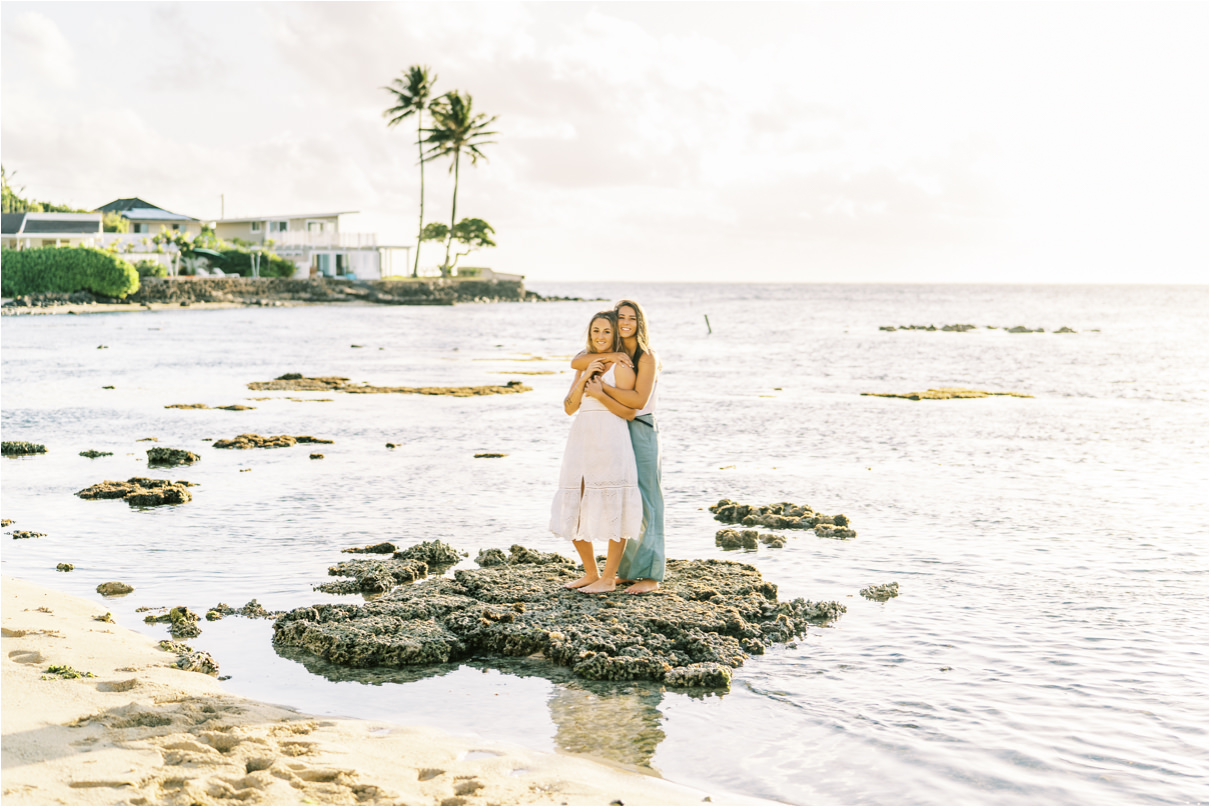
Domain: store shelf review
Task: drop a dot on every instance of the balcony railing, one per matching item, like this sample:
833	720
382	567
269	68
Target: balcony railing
304	238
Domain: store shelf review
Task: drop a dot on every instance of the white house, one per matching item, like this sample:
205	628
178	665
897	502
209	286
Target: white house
26	230
318	246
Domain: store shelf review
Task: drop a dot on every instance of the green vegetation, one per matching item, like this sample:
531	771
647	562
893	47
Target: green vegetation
66	269
114	222
473	234
67	672
148	268
412	93
457	130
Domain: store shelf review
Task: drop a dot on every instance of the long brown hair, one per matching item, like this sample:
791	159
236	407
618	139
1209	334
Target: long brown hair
612	318
641	328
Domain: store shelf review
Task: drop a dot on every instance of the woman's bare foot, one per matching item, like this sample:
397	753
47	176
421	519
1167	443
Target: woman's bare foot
643	585
584	581
601	585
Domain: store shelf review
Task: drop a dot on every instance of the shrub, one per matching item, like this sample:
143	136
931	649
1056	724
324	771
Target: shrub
65	269
151	269
272	265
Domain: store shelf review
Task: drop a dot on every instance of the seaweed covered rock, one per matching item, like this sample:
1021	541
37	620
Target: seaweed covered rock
881	592
707	618
27	534
64	567
164	456
435	554
373	576
731	539
252	608
13	448
383	548
114	588
298	382
942	393
140	491
93	453
777	516
181	622
492	557
251	440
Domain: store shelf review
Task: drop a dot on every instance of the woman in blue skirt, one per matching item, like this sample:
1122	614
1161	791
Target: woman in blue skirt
643	561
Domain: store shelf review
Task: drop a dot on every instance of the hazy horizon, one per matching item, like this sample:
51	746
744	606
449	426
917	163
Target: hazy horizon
814	142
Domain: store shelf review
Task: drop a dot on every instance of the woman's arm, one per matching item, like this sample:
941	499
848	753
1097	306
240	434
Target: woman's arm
645	381
582	359
595	390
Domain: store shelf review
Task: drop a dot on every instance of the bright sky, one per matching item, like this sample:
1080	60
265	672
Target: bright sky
836	141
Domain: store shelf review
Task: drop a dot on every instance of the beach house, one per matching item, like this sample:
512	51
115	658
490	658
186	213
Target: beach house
26	230
318	246
147	219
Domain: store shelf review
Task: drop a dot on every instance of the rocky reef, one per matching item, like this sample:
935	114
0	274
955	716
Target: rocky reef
140	491
299	382
250	440
27	534
93	453
372	576
945	393
383	548
964	327
15	448
114	588
881	592
252	609
164	456
181	622
778	516
435	554
707	618
234	407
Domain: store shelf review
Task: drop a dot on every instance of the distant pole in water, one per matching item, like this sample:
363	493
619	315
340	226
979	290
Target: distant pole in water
708	324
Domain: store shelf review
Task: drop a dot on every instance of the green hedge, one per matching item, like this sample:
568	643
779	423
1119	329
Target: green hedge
65	269
272	266
149	268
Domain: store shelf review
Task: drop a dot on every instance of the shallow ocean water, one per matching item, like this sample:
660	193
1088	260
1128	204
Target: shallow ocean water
1049	644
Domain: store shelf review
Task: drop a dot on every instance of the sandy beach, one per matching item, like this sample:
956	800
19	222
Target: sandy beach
140	732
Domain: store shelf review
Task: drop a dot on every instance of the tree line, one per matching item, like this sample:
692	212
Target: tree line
455	130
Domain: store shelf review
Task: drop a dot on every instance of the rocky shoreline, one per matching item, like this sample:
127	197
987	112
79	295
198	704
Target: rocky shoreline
225	292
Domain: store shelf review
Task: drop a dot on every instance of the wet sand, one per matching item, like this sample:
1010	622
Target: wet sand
141	732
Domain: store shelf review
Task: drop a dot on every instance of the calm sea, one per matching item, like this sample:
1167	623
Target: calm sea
1049	644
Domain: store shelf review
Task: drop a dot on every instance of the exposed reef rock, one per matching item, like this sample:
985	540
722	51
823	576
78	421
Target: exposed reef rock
436	554
189	659
299	382
93	453
163	456
947	392
373	576
778	516
65	567
252	441
252	609
207	407
13	448
140	491
707	618
881	592
491	454
27	534
383	548
181	622
115	588
492	557
5	522
963	327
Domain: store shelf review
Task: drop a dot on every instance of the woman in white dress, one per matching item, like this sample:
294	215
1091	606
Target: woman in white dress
598	497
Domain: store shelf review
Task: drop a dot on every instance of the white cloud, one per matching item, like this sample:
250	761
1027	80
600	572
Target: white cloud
41	47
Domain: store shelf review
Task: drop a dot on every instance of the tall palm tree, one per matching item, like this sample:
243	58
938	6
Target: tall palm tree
456	131
412	93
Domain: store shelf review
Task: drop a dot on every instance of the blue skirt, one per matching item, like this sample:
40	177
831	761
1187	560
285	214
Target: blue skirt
645	558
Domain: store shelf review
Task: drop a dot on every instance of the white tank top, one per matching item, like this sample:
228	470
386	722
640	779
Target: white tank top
651	405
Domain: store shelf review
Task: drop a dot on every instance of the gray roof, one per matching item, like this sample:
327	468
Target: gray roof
137	209
280	216
51	224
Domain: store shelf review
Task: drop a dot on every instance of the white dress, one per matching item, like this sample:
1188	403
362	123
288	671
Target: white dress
599	453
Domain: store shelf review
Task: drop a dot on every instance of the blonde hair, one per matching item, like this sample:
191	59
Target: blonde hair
610	317
641	327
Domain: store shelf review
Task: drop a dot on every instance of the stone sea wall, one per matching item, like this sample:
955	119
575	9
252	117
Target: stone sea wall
424	291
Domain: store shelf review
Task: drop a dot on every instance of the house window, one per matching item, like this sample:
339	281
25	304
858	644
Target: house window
278	227
138	227
322	264
176	228
342	264
316	227
256	227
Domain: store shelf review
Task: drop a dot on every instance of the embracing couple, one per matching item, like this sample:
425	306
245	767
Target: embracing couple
609	485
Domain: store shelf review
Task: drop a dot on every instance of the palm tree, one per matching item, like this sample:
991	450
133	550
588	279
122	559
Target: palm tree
412	93
456	130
